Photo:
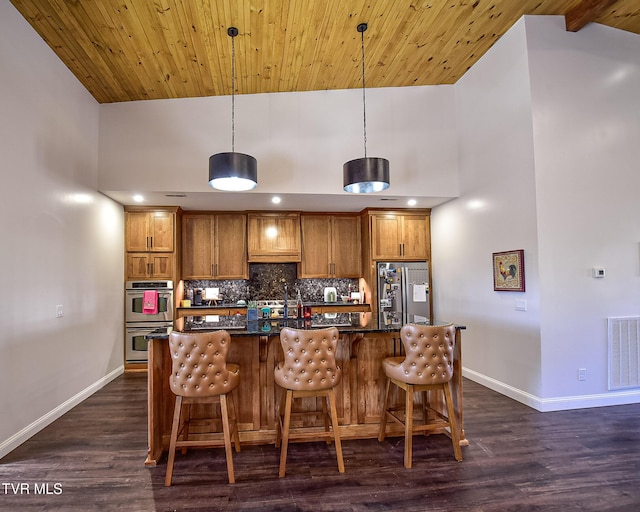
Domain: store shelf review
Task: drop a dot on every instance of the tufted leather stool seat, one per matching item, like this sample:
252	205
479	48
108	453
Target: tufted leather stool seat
308	369
201	375
427	366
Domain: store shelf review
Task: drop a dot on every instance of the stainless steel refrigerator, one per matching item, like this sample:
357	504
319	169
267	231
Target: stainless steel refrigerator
403	292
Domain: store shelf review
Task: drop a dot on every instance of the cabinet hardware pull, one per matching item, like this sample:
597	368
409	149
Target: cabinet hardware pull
151	242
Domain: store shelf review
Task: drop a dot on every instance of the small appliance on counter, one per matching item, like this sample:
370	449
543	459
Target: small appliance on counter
197	297
330	294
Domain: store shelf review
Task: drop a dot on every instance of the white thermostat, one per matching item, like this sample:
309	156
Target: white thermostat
598	272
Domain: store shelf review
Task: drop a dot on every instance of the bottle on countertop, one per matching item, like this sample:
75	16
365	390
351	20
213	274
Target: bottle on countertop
285	312
299	305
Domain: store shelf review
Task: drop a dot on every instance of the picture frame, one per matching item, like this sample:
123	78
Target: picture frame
508	271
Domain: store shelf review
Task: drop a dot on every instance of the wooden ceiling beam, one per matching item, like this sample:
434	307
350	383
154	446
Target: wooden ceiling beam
585	12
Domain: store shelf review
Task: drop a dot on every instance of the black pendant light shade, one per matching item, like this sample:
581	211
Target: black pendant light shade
365	175
233	172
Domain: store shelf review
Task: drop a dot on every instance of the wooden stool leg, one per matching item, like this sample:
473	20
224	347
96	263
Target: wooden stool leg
174	436
408	427
186	419
280	418
383	418
285	433
453	422
227	437
425	408
325	415
336	429
234	417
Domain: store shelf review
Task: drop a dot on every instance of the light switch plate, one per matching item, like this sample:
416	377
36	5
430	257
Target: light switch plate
521	305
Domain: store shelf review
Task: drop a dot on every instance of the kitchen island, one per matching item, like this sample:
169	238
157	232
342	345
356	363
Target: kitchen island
255	347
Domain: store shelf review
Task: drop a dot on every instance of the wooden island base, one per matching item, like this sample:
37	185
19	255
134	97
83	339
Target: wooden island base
360	394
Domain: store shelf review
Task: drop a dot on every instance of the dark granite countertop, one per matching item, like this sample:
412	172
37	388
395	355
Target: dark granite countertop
233	305
352	323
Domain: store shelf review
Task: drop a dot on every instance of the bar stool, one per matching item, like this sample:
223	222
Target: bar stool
427	366
201	375
308	369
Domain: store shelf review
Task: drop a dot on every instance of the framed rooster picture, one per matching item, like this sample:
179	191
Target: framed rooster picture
508	271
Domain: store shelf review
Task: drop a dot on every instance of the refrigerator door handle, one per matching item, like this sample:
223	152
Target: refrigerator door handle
404	288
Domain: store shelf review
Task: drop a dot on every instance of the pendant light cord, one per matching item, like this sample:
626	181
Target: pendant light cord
233	97
364	102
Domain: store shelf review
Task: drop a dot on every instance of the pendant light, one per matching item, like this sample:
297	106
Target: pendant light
368	174
233	172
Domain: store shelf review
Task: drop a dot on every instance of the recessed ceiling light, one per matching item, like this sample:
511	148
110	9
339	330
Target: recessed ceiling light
411	202
275	200
138	198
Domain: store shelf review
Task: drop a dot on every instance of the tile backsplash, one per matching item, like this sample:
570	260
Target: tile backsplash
266	281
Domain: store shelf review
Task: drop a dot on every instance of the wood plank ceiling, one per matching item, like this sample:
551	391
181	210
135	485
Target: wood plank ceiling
125	50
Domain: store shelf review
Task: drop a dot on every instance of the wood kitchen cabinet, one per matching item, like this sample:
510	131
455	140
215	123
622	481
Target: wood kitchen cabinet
399	236
330	246
150	242
150	231
214	246
274	237
149	265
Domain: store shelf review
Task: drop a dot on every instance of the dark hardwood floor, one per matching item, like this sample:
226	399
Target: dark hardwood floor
518	460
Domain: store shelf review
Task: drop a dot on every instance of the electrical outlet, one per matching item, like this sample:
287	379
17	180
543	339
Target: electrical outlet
582	374
59	313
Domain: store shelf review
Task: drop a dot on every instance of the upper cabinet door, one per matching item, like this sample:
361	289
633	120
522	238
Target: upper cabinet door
161	231
385	237
137	228
415	237
346	248
274	237
230	245
197	246
316	246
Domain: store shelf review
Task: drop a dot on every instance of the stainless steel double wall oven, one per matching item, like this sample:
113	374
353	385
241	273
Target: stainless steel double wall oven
139	323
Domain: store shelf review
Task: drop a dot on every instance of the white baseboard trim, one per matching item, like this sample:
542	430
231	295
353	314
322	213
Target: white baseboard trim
30	430
562	403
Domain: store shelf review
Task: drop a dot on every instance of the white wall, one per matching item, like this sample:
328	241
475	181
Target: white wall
586	112
496	212
301	140
62	242
548	123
